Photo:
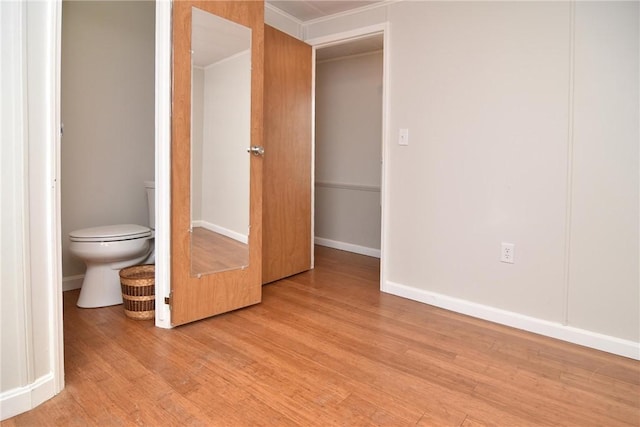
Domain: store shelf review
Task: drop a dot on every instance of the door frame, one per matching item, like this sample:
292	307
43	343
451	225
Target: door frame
336	39
163	162
35	35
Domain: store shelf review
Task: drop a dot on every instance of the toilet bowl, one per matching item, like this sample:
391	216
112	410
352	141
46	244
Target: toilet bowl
105	251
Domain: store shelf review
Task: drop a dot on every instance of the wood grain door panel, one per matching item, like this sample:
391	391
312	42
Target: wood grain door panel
287	161
198	297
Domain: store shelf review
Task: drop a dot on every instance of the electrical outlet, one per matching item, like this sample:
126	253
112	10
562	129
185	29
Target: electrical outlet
508	252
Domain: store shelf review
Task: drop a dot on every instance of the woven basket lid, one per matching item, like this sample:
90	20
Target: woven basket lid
110	233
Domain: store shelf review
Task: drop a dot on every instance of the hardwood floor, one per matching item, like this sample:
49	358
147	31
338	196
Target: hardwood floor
212	251
327	348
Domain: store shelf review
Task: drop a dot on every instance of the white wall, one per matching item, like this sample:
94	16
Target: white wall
348	150
30	284
512	141
108	113
226	137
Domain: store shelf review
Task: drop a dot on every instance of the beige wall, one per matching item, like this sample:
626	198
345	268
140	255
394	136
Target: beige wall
108	115
484	94
604	287
348	150
510	142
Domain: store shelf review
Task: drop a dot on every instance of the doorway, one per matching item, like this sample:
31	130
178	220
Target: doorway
107	107
349	135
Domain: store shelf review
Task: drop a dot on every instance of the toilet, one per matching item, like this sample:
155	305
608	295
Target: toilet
106	250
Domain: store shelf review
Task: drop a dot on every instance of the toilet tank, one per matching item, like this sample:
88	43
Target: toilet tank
150	186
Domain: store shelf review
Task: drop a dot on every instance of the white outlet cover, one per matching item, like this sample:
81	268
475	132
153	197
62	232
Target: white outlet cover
507	253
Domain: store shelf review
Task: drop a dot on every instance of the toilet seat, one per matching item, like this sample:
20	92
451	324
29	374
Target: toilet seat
110	233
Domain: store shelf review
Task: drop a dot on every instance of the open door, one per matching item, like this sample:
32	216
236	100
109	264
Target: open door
287	163
203	284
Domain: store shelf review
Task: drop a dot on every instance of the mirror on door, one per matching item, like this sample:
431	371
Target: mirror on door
220	136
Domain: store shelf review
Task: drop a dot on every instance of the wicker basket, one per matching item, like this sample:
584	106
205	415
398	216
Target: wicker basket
138	291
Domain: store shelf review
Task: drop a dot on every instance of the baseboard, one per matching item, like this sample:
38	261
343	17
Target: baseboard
22	399
221	230
582	337
349	247
72	282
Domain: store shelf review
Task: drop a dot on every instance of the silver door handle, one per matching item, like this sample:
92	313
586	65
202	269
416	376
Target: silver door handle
256	150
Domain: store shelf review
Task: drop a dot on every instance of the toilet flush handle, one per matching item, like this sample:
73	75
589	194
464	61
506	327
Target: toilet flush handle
256	150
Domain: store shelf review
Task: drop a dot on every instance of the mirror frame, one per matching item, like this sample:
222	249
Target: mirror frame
194	298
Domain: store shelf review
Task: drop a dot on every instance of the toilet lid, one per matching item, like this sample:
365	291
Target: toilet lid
110	233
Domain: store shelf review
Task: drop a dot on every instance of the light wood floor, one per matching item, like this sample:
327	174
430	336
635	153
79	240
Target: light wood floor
327	348
212	251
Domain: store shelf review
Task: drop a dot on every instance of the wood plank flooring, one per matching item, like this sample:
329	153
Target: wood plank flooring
212	251
326	348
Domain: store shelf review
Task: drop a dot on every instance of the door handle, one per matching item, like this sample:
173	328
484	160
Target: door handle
256	150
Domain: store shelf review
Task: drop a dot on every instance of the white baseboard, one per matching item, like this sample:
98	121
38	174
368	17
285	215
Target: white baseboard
582	337
22	399
349	247
72	282
242	238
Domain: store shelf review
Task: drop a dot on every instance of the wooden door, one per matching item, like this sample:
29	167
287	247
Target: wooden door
195	297
287	162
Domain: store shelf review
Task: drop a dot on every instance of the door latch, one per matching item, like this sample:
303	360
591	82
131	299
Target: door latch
256	150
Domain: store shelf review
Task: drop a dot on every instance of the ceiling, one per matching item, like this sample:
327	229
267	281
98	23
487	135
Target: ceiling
207	27
307	10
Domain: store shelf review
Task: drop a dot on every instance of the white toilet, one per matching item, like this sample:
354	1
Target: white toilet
106	250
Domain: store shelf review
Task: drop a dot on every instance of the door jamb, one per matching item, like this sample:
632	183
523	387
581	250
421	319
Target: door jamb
163	163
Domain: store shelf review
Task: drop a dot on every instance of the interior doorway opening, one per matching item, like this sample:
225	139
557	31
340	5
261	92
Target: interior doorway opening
349	129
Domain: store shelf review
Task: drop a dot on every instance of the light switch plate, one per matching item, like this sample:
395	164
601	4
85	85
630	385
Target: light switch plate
403	138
